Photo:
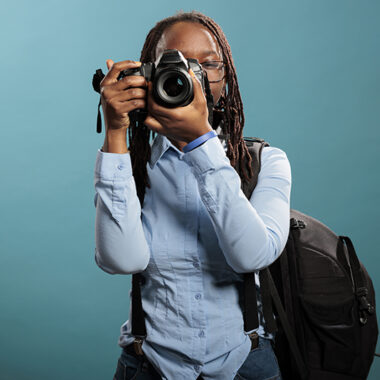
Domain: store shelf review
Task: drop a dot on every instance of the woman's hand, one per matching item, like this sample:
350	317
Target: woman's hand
181	123
118	98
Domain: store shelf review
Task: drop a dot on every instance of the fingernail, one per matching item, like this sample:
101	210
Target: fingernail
138	63
192	73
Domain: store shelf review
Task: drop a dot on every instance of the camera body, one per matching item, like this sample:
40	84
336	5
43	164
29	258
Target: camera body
172	83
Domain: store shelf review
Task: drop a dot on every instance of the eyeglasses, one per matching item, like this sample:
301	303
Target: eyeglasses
214	69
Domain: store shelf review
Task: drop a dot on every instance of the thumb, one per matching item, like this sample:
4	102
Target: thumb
198	90
109	63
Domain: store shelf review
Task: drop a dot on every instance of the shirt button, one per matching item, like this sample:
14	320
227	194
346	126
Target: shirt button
120	166
198	296
201	334
196	264
196	367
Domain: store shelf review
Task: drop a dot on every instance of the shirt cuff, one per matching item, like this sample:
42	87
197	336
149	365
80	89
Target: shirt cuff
199	141
208	156
113	166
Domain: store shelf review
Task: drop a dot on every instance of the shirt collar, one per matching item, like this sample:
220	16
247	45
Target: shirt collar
161	144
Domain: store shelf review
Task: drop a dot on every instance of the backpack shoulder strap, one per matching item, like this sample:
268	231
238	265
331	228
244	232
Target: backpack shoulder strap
251	321
255	145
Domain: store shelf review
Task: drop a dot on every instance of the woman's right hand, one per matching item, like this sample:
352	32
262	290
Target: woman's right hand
120	97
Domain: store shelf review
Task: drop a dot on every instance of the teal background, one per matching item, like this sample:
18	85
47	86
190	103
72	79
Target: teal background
309	75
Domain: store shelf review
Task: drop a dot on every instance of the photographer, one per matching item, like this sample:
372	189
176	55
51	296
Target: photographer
196	234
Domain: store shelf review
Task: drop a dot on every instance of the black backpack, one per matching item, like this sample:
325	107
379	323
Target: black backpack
328	327
326	300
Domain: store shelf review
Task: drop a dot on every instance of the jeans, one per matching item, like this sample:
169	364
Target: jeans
261	364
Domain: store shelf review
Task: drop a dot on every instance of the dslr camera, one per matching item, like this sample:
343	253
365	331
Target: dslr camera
172	83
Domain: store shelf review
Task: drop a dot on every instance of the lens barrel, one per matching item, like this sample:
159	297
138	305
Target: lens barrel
173	87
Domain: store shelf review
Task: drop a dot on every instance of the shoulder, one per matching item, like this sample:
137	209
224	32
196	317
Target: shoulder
275	163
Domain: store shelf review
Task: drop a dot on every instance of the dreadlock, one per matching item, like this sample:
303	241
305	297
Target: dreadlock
229	109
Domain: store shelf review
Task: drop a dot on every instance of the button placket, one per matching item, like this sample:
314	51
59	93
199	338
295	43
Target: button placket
192	201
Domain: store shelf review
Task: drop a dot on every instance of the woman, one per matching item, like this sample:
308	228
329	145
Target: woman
196	233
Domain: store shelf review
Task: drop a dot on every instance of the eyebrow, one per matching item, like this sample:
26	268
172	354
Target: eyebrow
203	53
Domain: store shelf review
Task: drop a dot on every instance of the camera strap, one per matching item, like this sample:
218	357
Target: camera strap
209	99
96	79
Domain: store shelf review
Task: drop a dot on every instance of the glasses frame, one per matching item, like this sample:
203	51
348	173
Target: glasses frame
222	67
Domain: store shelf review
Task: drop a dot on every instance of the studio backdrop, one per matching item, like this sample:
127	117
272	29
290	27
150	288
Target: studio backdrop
309	75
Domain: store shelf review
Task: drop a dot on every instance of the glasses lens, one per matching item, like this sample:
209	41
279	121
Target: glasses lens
215	70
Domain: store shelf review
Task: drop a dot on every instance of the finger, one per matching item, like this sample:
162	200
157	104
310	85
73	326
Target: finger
130	81
113	73
124	96
109	63
132	93
130	105
198	90
153	124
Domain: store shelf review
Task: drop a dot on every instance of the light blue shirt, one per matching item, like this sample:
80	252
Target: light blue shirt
192	240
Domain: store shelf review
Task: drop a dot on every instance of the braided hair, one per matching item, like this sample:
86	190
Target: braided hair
229	109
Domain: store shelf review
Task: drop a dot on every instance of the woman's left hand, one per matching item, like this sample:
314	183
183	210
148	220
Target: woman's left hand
181	123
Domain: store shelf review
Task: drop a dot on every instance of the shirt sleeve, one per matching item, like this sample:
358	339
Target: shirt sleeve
120	244
251	233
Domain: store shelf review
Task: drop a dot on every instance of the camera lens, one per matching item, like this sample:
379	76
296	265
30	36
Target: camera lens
173	86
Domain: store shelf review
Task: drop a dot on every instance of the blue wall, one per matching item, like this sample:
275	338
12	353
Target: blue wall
309	75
